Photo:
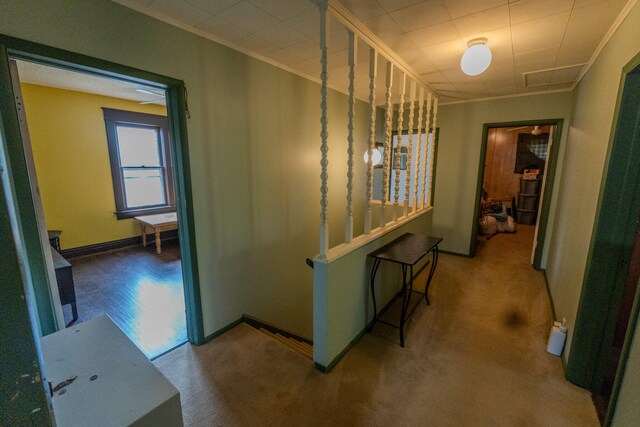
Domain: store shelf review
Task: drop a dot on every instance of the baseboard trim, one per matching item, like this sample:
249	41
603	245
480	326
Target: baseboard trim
546	282
455	254
257	323
116	244
223	330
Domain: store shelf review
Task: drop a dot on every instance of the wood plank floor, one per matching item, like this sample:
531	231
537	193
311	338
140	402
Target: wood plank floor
140	290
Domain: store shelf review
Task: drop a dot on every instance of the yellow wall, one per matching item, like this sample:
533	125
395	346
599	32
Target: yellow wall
72	163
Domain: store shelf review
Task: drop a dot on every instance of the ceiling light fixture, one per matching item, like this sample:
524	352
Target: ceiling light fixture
477	57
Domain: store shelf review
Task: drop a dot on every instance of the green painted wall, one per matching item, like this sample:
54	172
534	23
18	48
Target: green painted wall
343	299
459	156
585	157
254	147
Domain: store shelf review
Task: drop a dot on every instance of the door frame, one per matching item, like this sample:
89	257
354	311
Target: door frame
609	250
547	191
18	172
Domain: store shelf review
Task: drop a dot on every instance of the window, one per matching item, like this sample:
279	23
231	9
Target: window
140	162
424	142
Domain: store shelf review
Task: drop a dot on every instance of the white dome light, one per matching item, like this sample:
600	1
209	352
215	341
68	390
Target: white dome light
376	157
477	58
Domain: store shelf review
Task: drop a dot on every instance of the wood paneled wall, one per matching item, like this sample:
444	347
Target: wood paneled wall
500	181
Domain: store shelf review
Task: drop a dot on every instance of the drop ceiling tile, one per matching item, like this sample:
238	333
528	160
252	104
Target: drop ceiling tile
539	33
363	9
455	75
499	73
282	9
281	35
306	49
399	43
502	90
460	8
248	17
566	74
285	56
478	23
435	78
574	53
256	44
309	66
528	10
391	5
383	26
180	11
438	33
445	55
472	90
308	23
418	61
423	14
223	29
537	59
143	3
584	3
597	18
213	7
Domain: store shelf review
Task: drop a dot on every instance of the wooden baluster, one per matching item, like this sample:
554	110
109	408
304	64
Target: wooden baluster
353	55
324	135
427	126
431	152
373	72
407	175
398	154
388	116
419	132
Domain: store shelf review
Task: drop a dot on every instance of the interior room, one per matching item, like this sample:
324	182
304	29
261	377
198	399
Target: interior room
295	246
101	266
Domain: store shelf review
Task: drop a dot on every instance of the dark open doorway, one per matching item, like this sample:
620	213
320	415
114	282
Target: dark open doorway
515	179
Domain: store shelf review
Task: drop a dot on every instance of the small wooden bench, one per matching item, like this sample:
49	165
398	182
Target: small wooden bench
159	222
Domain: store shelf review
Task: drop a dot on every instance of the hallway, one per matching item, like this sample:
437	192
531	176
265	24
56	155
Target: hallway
476	356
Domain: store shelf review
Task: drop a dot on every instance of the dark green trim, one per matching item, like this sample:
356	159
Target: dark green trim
116	244
614	228
550	171
454	253
21	386
19	180
334	362
554	313
176	106
223	330
257	323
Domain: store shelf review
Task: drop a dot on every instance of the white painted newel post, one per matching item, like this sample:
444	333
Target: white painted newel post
353	55
388	118
324	135
407	175
373	72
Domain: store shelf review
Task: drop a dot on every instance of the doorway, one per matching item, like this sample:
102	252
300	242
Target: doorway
26	197
99	262
515	176
609	308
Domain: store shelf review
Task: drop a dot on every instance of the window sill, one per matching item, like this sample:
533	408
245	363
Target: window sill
145	211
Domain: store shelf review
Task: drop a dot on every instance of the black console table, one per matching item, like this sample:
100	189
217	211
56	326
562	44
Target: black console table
406	250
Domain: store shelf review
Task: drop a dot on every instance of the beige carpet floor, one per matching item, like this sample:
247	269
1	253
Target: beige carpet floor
475	357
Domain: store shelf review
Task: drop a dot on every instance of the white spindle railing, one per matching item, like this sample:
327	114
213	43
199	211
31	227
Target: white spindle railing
388	117
414	167
353	43
324	134
432	144
407	175
419	131
398	155
373	73
427	126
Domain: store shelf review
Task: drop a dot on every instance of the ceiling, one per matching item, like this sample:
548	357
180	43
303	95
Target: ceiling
537	45
43	75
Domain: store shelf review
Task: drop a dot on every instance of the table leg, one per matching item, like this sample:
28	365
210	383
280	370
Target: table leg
158	243
374	270
405	303
434	262
144	234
